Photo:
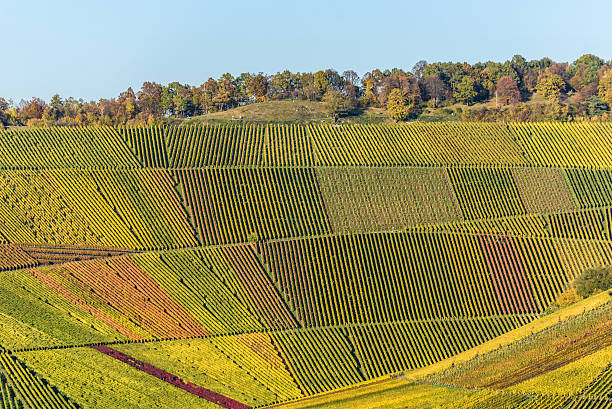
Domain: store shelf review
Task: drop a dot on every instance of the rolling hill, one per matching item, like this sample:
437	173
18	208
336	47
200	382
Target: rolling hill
253	265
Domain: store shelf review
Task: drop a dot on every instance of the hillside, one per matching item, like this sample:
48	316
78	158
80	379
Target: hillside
556	361
287	111
315	112
249	265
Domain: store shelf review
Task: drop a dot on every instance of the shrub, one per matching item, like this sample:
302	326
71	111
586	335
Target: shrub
568	298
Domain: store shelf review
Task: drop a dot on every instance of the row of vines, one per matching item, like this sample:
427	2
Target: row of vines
384	277
156	209
414	144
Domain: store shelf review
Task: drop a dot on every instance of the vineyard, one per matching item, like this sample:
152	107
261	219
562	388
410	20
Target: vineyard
245	266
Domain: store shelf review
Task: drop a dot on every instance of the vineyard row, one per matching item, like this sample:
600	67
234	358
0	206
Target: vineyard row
416	144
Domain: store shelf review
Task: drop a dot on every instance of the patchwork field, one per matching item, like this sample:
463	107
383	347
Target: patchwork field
315	266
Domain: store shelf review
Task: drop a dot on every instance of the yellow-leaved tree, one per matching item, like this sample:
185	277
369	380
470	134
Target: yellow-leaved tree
605	87
398	107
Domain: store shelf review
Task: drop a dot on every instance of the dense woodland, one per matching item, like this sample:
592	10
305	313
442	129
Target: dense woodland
515	90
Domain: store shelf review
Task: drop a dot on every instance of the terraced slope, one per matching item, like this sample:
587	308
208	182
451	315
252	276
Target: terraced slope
261	264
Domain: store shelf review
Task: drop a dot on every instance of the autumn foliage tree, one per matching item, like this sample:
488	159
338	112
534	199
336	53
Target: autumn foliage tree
605	87
399	106
441	84
551	86
507	91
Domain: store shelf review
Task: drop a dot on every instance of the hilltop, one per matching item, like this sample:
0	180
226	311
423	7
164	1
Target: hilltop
316	112
293	111
516	90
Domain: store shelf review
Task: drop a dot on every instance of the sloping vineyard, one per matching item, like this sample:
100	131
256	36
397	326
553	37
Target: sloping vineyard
64	147
8	398
414	144
564	144
321	358
413	276
13	257
486	193
242	145
33	391
148	145
95	380
379	199
238	205
250	265
394	347
206	286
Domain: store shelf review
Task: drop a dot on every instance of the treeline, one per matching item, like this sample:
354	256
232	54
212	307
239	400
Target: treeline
517	89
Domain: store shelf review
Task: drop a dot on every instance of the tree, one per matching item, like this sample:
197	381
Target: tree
507	90
418	69
149	99
224	98
282	85
320	83
435	89
551	86
605	86
559	69
32	109
336	104
204	95
350	81
183	102
593	280
5	115
596	106
57	106
368	84
167	98
465	90
398	106
584	70
127	105
519	64
404	81
258	87
530	79
350	77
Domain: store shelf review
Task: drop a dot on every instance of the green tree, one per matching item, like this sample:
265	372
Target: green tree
183	102
465	90
167	97
336	104
57	106
596	106
584	70
593	280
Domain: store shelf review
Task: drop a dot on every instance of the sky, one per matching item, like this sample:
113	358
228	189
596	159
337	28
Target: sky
96	49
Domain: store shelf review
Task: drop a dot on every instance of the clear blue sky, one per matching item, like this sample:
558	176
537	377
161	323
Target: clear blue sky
93	49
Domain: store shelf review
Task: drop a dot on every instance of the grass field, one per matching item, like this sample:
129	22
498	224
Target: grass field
288	111
387	394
